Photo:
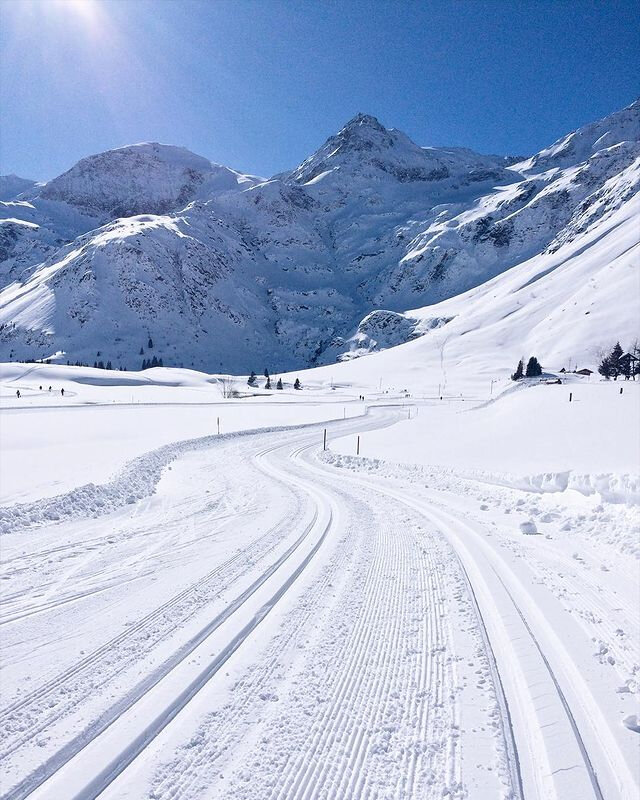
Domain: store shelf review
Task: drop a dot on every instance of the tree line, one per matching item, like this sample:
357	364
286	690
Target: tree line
253	381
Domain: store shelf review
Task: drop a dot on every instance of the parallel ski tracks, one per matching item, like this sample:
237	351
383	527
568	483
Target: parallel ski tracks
80	742
448	528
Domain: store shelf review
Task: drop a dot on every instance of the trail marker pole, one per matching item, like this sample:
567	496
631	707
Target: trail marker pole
324	441
218	426
358	446
570	396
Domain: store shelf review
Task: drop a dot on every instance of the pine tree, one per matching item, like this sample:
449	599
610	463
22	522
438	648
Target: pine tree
519	371
268	383
253	380
150	344
610	365
533	368
297	384
625	366
144	364
109	365
266	372
95	365
279	384
614	360
100	364
160	364
604	368
141	353
154	362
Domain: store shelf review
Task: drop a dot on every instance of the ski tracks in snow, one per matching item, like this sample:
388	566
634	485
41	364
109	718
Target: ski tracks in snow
350	638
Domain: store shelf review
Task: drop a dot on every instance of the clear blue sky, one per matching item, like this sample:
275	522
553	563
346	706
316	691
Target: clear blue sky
259	84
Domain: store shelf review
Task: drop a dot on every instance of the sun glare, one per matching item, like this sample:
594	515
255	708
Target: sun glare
88	10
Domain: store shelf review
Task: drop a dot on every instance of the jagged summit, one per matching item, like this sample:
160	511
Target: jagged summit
365	151
361	121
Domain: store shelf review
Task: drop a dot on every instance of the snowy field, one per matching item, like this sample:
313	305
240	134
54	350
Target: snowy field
452	613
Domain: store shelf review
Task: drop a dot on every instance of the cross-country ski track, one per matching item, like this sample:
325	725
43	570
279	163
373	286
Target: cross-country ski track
274	623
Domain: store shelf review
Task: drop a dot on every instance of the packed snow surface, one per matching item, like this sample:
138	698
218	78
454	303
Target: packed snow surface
450	613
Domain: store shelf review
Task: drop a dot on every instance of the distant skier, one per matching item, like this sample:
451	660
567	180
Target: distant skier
41	388
62	392
18	394
49	388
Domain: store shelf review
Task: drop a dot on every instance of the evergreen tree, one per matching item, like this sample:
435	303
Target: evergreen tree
253	380
625	367
150	344
519	371
610	365
266	372
154	362
144	363
279	384
95	365
533	368
141	353
297	384
109	365
160	362
100	364
268	383
615	360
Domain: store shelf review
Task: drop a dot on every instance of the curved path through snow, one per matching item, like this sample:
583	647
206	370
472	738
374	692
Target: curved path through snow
268	626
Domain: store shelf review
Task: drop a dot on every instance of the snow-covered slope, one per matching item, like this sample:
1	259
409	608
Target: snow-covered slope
227	272
142	178
13	185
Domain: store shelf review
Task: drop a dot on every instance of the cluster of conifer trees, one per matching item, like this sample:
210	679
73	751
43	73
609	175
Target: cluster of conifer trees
533	369
253	381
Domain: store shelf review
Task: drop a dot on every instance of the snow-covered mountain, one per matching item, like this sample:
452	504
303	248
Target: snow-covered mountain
142	178
12	185
225	271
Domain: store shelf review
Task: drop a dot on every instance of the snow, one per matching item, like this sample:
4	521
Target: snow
273	615
533	430
122	416
250	615
151	240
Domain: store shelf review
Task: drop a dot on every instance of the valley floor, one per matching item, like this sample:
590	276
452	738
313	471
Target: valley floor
260	618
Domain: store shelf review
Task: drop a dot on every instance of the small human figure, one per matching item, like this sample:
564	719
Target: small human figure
41	388
49	388
62	392
18	393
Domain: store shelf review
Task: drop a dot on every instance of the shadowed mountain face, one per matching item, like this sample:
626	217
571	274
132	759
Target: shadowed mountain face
225	271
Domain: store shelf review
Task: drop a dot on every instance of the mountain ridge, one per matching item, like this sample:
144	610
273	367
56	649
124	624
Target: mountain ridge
229	271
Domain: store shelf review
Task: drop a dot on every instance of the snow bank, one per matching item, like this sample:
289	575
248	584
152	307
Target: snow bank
610	487
137	480
614	524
